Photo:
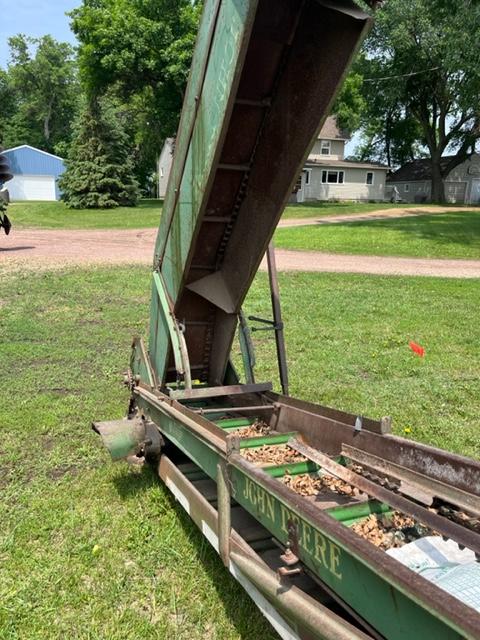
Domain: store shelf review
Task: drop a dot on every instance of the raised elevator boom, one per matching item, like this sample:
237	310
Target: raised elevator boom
263	78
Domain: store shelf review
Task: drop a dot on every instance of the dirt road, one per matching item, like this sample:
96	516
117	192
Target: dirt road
42	249
381	214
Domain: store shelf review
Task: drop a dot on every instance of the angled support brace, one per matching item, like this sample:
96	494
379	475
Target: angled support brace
177	338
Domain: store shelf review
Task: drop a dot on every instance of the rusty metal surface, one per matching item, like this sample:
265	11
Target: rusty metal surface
215	392
277	319
430	486
320	621
417	588
234	169
240	409
284	595
447	528
211	435
329	430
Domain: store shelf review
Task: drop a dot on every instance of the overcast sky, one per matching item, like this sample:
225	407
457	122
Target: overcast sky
34	18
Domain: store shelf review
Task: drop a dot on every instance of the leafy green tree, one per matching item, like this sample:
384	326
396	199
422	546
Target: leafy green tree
99	171
42	79
422	82
142	49
350	104
7	106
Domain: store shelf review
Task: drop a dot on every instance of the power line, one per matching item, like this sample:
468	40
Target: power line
403	75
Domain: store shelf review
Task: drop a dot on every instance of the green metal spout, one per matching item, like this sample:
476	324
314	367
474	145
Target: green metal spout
122	438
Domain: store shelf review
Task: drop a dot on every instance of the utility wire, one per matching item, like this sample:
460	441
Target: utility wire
403	75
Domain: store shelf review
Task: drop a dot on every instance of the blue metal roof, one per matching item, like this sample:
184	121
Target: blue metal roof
26	160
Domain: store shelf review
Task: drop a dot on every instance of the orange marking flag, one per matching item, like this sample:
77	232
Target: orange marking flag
417	348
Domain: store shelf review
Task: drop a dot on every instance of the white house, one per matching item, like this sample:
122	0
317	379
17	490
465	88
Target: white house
164	165
414	181
328	176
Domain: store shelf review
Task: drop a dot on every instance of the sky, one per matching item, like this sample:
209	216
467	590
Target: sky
34	18
40	17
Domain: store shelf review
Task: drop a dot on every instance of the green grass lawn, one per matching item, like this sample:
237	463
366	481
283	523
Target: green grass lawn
321	209
92	550
450	235
55	215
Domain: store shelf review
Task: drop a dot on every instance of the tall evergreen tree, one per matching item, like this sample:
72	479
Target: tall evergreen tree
142	50
100	171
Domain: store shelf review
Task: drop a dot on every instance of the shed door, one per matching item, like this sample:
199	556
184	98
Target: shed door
475	192
32	188
455	192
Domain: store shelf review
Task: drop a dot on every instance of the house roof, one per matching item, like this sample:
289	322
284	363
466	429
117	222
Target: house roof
27	146
331	131
418	170
350	164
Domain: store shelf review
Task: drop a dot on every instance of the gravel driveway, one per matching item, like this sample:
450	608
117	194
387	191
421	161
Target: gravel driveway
40	249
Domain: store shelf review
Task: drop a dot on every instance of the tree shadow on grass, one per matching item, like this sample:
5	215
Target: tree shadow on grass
236	603
461	228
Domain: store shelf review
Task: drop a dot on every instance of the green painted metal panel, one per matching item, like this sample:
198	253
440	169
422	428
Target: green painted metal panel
353	513
200	453
260	441
159	335
194	165
393	613
293	469
194	88
234	423
233	24
387	606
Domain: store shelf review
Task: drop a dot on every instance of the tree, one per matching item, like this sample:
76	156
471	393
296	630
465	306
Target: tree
99	171
7	106
350	105
421	64
142	49
42	77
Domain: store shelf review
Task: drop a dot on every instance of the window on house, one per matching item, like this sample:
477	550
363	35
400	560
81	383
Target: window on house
369	177
307	176
325	146
332	177
406	188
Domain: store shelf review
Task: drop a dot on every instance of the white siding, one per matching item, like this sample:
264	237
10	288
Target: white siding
460	185
164	167
337	150
418	191
23	187
353	188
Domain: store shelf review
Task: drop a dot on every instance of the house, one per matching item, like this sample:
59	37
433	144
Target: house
414	181
328	176
35	173
164	165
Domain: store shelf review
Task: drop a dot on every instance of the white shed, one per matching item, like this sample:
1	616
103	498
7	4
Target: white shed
164	166
35	173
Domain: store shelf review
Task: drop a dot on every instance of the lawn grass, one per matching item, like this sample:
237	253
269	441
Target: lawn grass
55	215
449	235
89	549
321	209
